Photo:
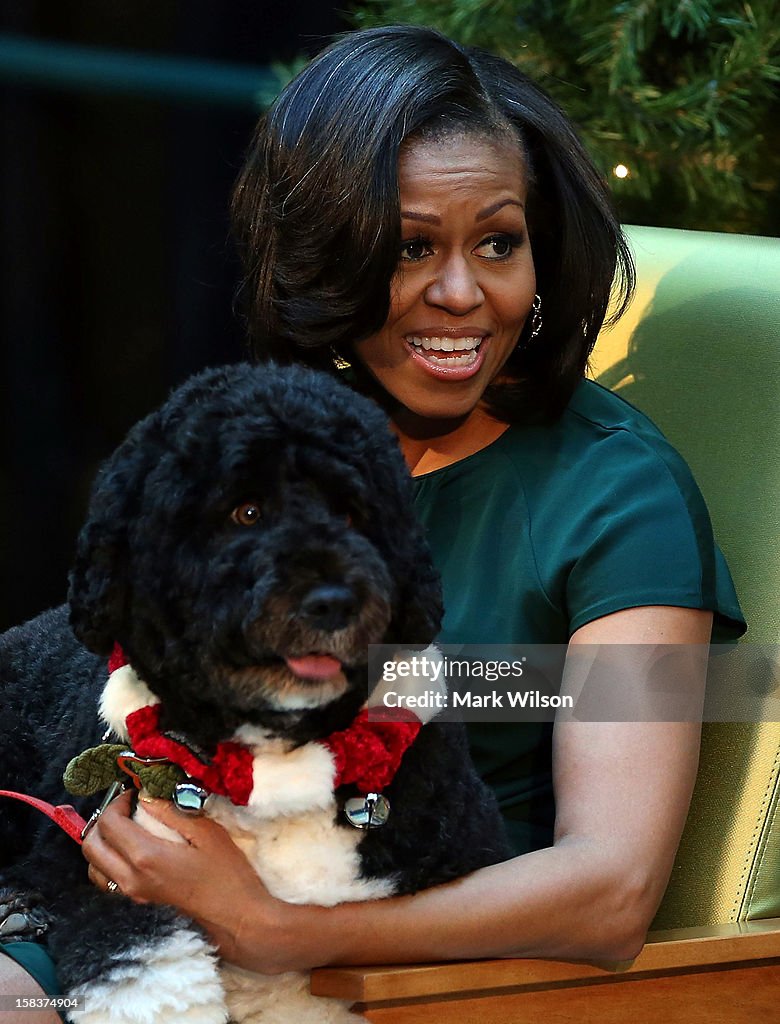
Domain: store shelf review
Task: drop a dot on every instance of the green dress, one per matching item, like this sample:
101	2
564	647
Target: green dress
550	527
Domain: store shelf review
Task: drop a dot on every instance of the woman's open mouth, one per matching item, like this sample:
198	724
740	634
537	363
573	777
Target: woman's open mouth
446	357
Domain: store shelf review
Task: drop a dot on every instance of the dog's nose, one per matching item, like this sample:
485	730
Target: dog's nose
329	606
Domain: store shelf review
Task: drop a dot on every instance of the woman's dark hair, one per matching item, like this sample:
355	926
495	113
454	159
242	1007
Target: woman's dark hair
318	219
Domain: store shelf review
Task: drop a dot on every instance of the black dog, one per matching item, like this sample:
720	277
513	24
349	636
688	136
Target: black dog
244	546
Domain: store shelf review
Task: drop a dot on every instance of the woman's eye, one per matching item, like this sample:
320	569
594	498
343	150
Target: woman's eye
415	249
498	247
246	514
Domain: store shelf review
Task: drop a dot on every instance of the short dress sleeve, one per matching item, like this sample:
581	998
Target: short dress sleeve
643	536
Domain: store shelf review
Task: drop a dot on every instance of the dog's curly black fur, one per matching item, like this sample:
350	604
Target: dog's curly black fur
261	515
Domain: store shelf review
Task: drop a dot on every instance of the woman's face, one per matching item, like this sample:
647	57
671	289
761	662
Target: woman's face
465	280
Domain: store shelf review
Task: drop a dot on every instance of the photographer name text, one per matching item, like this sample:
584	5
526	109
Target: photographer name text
495	699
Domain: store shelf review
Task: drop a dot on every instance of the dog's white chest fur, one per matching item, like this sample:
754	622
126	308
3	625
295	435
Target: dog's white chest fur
307	858
290	834
302	858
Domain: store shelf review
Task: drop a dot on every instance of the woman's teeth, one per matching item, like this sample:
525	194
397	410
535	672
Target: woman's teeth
431	347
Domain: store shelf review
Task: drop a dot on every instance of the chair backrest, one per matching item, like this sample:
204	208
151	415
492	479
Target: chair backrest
699	352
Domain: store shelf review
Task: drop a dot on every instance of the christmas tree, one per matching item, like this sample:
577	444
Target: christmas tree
676	100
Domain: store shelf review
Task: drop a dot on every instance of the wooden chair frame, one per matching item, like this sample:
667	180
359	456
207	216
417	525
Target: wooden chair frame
724	974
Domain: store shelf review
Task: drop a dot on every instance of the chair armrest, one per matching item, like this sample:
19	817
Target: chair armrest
732	969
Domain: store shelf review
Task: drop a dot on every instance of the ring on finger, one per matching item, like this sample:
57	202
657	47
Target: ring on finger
112	886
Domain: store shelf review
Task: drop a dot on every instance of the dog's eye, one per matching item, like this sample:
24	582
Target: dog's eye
246	514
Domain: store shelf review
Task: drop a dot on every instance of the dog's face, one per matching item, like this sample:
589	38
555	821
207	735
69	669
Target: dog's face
246	544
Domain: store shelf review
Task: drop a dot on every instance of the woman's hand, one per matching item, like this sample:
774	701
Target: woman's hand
205	876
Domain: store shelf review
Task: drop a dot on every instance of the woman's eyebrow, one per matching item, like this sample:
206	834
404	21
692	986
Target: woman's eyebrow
429	218
495	207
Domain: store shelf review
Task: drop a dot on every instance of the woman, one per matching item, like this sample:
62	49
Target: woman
426	215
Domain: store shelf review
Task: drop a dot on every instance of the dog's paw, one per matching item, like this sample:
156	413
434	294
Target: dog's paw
22	915
156	982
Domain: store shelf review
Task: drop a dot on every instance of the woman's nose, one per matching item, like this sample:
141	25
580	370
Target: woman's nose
455	286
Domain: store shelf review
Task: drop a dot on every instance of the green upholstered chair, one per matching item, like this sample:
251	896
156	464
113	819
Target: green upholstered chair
699	352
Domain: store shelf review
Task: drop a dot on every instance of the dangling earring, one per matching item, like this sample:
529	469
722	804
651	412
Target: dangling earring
536	317
339	361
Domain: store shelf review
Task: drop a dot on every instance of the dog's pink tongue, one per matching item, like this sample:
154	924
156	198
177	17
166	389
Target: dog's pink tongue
314	666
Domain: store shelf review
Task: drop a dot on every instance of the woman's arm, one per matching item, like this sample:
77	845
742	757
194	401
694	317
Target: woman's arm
622	793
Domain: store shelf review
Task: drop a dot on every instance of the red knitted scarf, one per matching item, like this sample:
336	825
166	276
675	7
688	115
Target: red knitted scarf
366	754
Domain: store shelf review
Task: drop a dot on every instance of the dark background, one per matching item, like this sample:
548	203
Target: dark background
118	274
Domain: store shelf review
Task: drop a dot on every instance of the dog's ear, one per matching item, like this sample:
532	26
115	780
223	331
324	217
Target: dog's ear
418	616
97	592
419	610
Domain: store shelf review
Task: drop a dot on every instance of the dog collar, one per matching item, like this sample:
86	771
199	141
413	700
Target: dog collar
366	754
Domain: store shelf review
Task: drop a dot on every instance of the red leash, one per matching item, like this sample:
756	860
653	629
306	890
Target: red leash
67	817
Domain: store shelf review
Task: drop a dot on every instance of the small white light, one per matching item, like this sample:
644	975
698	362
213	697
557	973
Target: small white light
621	171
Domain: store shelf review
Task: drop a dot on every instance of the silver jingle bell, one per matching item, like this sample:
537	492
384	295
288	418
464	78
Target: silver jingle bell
189	797
369	811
